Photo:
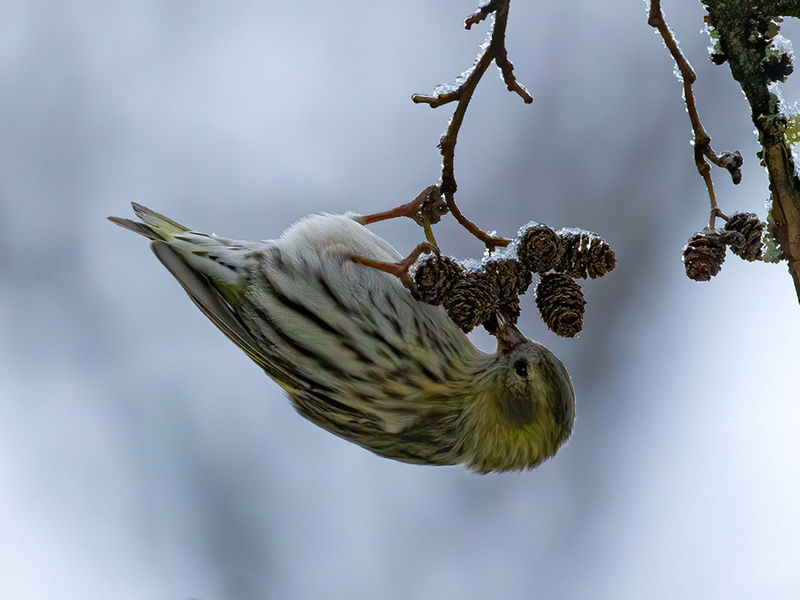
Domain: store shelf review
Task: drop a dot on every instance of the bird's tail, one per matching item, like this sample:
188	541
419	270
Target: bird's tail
205	266
209	255
154	225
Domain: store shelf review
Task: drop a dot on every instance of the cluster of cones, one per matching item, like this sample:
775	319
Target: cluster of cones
704	254
490	294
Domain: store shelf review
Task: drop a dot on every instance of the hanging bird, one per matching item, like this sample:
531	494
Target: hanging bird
359	356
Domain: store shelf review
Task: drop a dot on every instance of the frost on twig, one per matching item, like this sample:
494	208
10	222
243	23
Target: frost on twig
484	10
703	152
493	50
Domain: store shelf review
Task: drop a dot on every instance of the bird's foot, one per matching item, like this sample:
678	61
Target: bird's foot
426	210
427	207
399	269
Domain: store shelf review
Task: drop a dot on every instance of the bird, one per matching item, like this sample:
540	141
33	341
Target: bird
358	355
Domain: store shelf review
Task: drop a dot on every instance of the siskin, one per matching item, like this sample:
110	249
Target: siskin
359	356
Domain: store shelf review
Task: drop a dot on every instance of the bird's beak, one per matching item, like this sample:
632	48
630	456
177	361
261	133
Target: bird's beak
508	338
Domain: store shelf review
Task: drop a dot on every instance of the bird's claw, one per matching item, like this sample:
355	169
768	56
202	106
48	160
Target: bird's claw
399	269
428	207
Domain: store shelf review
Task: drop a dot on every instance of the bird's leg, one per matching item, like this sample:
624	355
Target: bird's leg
426	209
398	269
404	210
429	204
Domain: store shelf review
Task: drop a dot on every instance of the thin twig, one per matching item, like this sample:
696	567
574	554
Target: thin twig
702	141
494	51
479	15
501	57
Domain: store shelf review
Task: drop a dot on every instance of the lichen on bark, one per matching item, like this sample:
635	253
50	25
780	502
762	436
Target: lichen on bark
744	28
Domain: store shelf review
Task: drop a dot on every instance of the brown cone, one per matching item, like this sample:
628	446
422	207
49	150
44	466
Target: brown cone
509	310
435	277
561	304
704	254
512	277
538	248
584	253
472	300
751	228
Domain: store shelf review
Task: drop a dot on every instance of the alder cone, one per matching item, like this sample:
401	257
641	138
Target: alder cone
538	248
704	254
561	304
583	254
435	277
751	228
512	277
472	300
509	310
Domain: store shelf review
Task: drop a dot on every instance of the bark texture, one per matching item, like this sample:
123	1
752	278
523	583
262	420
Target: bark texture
743	27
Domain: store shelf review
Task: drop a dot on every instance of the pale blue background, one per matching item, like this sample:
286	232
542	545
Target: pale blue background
142	456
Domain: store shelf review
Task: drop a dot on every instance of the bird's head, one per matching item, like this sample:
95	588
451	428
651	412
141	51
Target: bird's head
525	409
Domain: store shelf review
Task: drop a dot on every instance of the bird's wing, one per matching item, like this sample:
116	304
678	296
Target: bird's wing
349	344
351	332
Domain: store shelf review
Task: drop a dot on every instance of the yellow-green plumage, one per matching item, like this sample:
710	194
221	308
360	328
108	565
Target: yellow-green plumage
359	356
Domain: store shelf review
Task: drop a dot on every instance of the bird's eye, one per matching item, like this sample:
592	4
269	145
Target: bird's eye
521	368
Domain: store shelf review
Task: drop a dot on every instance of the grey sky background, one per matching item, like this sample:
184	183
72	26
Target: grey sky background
142	455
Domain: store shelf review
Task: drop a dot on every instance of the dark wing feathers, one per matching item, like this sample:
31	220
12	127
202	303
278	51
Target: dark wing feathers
208	299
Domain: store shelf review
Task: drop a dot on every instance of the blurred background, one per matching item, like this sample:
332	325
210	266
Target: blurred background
143	456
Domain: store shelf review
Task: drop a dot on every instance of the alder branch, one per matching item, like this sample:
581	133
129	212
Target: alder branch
703	152
494	51
743	27
479	15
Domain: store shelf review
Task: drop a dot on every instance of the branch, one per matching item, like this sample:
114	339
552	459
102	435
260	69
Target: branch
494	51
498	46
702	141
743	27
479	15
